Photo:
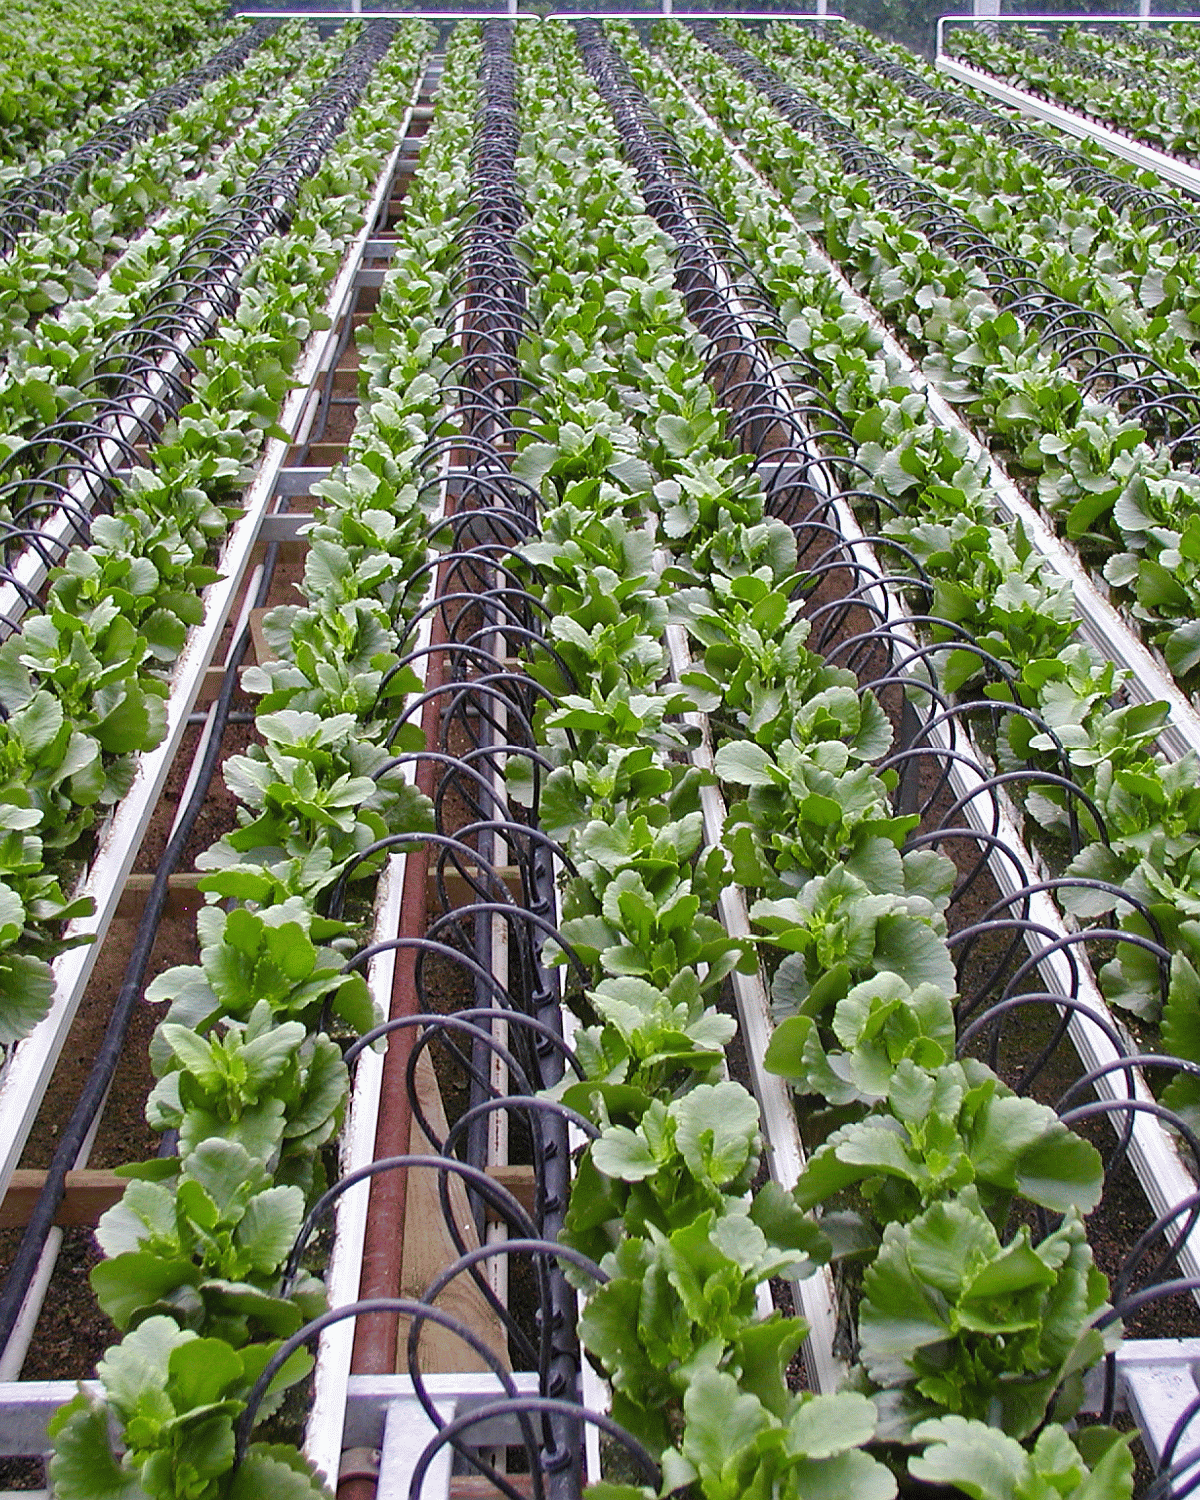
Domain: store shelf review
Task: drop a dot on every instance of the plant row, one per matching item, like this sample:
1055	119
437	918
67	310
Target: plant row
248	1056
62	57
50	187
1083	249
1166	118
664	1195
49	368
62	257
85	682
1154	52
984	576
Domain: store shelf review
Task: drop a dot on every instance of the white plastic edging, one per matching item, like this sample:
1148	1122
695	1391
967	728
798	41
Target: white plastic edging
1079	18
327	1414
1100	622
1171	168
324	1430
815	1295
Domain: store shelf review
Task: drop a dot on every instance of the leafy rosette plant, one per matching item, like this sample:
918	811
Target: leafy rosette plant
248	958
688	1244
842	930
939	1132
205	1240
980	1461
810	808
176	1397
954	1320
271	1087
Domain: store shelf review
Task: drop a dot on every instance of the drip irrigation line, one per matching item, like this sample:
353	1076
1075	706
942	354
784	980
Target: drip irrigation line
1144	205
66	469
653	152
1111	370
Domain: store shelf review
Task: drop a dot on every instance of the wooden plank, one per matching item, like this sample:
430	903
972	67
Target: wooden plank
182	895
428	1250
461	893
89	1193
518	1178
258	639
476	1487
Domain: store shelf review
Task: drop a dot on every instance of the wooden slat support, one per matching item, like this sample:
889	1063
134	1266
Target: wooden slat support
460	892
518	1178
89	1193
182	895
476	1487
428	1250
258	640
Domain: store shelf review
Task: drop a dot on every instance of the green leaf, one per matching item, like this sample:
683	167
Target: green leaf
534	462
276	1473
716	1130
845	1474
83	1466
825	1425
27	986
129	726
138	1279
269	1226
38	723
745	764
624	1154
721	1422
202	1372
986	1464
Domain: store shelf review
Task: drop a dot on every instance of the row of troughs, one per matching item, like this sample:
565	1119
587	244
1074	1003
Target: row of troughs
140	378
498	553
1138	86
24	203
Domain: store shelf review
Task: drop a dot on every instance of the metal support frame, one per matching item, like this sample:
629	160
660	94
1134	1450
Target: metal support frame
663	8
1059	17
1171	168
1084	127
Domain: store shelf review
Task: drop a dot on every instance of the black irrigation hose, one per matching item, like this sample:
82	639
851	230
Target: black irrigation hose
1073	61
201	290
24	203
108	1055
513	1020
1110	369
1142	204
1164	46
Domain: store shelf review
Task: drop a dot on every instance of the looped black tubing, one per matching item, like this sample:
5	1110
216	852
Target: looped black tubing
494	1193
405	1306
550	1406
